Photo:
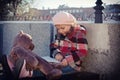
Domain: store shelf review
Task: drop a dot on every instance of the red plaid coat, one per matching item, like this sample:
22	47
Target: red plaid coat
73	47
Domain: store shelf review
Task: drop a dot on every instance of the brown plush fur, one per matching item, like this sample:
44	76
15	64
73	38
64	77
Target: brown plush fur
22	48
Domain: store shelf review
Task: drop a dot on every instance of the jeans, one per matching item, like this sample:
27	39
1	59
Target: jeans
67	69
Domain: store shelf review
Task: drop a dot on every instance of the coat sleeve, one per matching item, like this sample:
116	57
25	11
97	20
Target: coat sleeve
54	48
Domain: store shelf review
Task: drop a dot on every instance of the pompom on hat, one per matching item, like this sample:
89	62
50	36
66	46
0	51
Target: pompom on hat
64	18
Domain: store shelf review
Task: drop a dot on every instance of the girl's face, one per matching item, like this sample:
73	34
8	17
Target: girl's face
63	29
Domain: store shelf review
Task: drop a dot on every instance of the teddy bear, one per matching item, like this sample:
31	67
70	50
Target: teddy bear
23	49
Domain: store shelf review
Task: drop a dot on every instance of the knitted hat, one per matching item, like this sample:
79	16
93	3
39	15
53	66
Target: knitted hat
63	18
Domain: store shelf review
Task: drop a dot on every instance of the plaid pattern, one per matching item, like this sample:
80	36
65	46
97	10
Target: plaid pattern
73	47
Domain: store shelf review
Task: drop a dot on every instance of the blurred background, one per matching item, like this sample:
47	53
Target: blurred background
44	10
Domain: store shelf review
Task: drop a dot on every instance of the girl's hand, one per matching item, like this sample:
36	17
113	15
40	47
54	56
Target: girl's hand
64	62
59	57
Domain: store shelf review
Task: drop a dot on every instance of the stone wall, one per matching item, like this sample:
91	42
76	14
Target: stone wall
104	48
103	43
39	31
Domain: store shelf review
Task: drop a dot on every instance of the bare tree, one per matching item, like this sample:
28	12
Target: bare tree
62	6
9	7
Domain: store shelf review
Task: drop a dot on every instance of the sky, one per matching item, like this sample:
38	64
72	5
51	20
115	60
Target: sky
53	4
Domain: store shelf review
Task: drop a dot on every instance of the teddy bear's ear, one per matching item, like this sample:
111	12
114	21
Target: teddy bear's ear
21	32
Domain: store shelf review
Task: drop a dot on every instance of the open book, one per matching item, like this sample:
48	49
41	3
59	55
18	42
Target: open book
49	59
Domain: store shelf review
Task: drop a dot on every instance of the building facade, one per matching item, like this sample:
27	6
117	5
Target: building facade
111	12
81	14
